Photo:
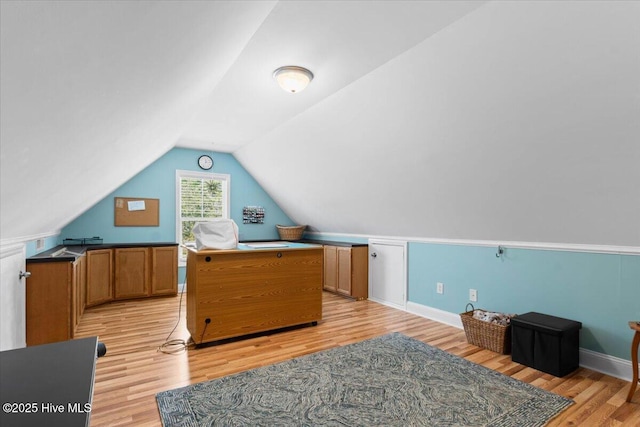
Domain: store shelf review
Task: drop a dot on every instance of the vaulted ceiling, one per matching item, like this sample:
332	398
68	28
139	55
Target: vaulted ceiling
465	120
340	41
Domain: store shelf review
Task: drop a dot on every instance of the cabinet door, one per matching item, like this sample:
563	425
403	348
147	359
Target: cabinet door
78	289
74	299
75	296
48	302
82	286
99	277
330	280
360	272
344	271
131	273
164	271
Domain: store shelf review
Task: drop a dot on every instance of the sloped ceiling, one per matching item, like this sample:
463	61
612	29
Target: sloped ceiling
340	41
518	122
93	92
471	120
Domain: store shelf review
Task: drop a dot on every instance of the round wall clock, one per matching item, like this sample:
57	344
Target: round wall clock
205	162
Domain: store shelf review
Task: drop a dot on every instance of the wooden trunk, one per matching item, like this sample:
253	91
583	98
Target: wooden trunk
252	290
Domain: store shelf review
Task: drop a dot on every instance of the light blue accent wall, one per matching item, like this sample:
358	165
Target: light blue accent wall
600	290
158	181
49	242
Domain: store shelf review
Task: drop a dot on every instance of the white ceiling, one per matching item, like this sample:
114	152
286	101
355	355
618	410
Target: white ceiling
339	41
93	92
479	120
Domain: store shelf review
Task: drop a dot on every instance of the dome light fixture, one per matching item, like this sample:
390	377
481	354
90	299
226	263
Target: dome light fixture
292	78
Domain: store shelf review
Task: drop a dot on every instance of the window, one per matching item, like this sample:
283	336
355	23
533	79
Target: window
199	196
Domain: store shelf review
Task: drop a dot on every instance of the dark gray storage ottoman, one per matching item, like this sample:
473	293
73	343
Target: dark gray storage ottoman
546	343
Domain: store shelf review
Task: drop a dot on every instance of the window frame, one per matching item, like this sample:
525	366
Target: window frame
226	200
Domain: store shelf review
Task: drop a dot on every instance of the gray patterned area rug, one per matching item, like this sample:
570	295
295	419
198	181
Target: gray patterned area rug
392	380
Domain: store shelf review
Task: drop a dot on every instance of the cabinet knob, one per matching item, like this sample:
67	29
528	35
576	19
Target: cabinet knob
373	255
25	274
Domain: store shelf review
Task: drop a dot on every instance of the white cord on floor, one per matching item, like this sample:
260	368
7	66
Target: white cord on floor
176	346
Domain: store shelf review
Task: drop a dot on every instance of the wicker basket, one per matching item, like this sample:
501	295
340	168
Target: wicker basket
488	335
292	232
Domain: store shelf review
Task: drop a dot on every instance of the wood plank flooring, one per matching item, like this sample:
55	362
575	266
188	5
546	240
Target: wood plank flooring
134	370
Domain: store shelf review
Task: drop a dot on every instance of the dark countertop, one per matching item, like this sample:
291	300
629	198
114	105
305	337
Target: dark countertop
332	243
312	242
72	252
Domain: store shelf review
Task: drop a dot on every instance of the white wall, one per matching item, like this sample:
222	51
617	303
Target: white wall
93	92
13	329
518	122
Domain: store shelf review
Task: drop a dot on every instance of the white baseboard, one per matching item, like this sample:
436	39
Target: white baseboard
599	362
387	303
451	319
605	364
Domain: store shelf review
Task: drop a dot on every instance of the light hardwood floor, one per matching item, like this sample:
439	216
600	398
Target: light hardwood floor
133	370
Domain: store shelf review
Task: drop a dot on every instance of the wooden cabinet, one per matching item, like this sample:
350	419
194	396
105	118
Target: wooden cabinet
60	288
99	276
330	268
238	292
344	273
54	300
131	273
48	302
346	270
164	270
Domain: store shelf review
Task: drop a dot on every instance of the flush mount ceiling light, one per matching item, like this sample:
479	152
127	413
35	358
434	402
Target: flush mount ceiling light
293	79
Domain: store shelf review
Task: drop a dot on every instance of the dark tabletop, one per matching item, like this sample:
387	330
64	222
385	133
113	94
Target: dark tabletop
48	385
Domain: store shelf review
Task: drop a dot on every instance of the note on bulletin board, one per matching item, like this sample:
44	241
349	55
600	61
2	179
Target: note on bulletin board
136	212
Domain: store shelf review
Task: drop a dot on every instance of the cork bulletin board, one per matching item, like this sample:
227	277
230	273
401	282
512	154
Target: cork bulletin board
136	212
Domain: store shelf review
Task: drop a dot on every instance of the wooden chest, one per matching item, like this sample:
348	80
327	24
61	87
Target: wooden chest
243	291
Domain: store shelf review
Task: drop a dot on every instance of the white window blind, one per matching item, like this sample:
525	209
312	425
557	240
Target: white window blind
199	196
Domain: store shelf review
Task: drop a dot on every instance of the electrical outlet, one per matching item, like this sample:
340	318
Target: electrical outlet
473	295
440	288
